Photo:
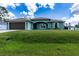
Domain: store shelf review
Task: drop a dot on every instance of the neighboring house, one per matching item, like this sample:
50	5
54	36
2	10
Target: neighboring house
33	24
3	25
71	28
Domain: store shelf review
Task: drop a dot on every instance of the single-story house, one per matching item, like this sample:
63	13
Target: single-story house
32	24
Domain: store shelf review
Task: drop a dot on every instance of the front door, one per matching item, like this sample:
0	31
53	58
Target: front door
56	27
40	26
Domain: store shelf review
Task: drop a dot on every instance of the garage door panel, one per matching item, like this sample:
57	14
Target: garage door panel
17	25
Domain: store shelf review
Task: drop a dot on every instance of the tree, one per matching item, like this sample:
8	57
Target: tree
77	25
3	13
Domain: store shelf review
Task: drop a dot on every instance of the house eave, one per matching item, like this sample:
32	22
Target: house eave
34	20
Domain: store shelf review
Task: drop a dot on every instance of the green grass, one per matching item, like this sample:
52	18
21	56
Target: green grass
40	43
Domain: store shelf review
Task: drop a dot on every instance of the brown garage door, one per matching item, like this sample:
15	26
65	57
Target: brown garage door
17	25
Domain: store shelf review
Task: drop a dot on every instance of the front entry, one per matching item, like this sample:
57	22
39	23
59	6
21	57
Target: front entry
56	26
40	26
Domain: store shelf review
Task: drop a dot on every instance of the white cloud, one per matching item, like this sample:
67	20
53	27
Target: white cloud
63	18
51	5
17	4
75	7
30	1
33	8
25	13
75	19
31	5
11	15
13	5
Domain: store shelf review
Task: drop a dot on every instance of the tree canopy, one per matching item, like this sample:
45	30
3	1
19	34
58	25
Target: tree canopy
77	25
3	13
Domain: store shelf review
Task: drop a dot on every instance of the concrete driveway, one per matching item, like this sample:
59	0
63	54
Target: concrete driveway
2	31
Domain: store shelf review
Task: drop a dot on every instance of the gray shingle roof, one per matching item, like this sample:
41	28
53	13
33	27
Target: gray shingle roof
34	19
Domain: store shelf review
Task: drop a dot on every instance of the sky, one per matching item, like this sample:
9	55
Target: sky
68	12
56	11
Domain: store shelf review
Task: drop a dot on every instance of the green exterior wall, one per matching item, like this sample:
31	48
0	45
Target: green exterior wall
28	26
61	25
53	25
50	25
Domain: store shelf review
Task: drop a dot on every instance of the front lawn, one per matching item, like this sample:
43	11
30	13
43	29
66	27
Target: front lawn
40	43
